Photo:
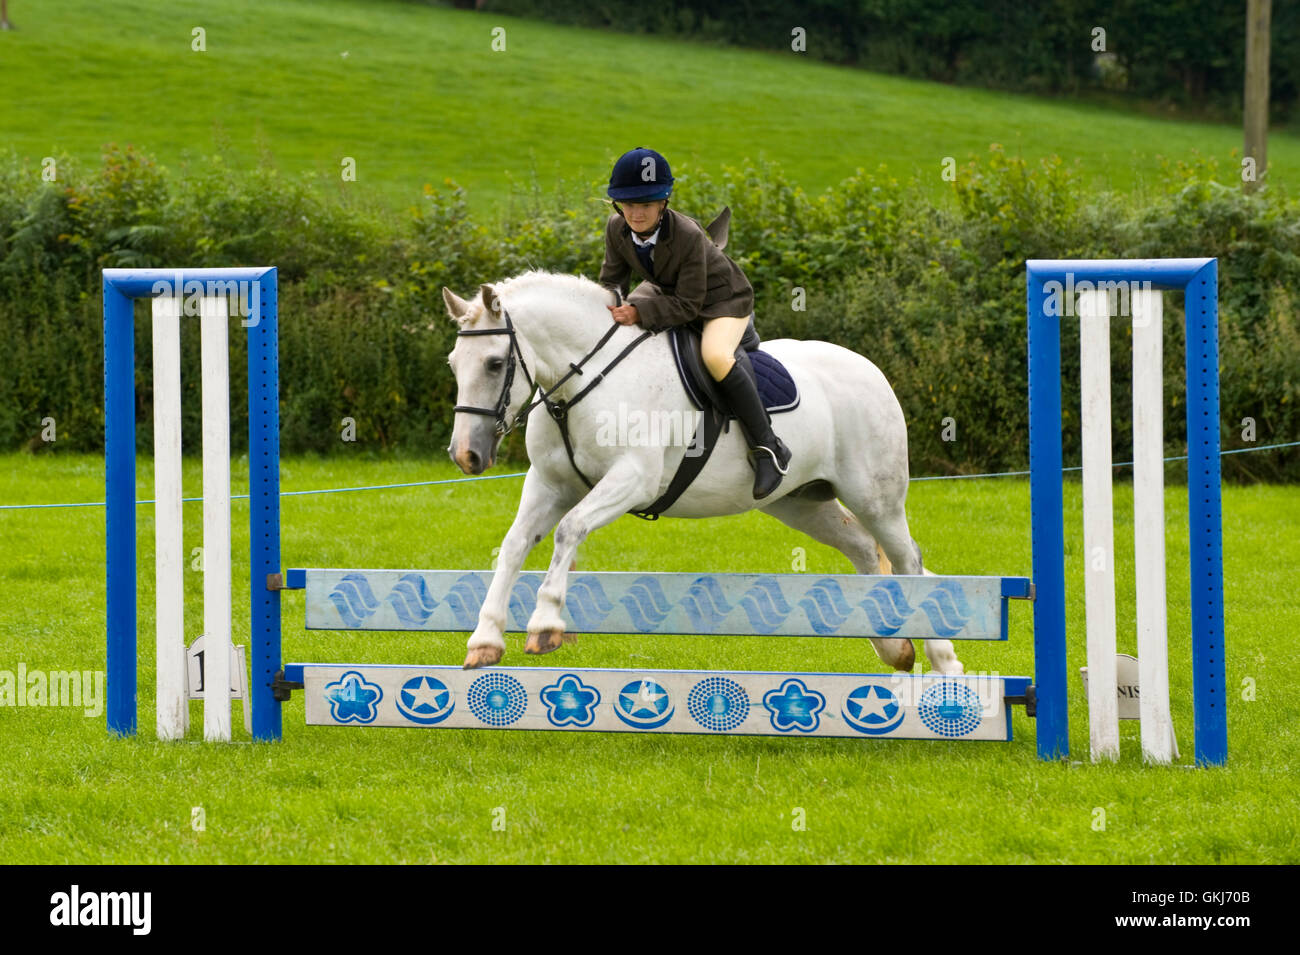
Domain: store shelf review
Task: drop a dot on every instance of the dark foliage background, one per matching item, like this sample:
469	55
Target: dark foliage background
1184	53
932	292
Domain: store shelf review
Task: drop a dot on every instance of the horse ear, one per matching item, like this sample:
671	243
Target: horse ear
490	300
719	228
456	306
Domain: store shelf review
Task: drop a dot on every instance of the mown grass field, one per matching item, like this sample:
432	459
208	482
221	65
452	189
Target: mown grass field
70	794
416	95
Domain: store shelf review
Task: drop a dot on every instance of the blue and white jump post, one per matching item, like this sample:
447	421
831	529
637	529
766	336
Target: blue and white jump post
721	702
1052	290
207	292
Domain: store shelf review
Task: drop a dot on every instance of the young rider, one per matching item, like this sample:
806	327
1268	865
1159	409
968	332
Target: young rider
686	278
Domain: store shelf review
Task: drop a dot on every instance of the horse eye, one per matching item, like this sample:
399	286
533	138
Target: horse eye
495	365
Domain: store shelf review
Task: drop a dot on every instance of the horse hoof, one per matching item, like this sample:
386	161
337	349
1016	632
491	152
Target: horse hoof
482	657
544	641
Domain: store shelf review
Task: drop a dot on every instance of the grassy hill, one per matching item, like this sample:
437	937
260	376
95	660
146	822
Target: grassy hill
416	94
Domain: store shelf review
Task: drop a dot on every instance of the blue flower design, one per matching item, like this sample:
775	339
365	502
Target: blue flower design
570	702
794	707
352	699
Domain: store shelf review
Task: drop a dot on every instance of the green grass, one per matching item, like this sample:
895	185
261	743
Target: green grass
420	96
70	794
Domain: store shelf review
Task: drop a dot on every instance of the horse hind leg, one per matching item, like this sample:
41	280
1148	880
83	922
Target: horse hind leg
830	523
941	653
887	521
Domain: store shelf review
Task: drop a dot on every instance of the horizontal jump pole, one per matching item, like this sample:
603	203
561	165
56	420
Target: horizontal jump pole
848	605
732	703
146	283
1161	273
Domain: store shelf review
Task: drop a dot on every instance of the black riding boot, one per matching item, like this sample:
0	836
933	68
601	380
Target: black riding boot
771	456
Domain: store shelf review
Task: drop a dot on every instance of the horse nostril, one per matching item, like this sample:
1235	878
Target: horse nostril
472	458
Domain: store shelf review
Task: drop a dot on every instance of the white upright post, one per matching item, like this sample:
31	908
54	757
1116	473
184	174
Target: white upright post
1098	523
169	565
215	335
1149	527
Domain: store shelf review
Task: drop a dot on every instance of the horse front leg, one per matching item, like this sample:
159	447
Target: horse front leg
539	508
627	484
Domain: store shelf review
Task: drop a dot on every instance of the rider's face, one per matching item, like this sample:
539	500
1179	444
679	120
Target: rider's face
642	215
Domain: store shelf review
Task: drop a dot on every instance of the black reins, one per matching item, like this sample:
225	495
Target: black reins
557	409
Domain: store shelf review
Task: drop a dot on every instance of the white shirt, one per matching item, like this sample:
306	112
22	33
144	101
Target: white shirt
654	237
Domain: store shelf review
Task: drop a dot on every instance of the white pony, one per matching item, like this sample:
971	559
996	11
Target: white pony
848	437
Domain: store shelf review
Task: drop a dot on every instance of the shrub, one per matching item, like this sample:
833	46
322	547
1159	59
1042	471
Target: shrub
933	293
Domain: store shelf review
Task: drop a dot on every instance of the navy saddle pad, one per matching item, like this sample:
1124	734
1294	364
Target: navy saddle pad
775	386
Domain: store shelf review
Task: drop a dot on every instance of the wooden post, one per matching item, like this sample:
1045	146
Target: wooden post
1255	119
1098	523
1149	526
214	355
169	521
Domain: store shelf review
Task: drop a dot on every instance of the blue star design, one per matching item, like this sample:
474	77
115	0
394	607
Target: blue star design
570	702
794	707
646	702
873	704
352	699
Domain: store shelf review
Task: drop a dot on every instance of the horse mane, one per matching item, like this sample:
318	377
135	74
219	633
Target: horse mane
578	286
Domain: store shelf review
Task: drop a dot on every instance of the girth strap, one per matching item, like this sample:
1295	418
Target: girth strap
702	445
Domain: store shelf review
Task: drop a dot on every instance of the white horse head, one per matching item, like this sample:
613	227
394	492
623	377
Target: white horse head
493	364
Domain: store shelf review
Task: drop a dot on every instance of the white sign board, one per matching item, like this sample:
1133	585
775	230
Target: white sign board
1126	685
238	677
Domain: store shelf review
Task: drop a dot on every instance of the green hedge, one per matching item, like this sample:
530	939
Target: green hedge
934	294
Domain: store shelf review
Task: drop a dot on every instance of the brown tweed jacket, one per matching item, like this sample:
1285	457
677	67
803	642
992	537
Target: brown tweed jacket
692	278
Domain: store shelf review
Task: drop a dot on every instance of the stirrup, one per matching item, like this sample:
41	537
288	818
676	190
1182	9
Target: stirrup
783	471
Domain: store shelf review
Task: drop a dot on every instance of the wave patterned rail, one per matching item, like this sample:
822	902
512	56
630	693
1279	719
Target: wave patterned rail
847	605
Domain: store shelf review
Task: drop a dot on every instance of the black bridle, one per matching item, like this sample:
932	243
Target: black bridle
504	426
557	409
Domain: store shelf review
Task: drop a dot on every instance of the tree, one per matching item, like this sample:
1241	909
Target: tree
1255	113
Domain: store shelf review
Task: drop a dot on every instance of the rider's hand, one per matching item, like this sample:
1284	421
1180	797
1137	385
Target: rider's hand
624	314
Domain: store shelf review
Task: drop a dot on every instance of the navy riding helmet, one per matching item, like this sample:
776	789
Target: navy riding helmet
641	175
